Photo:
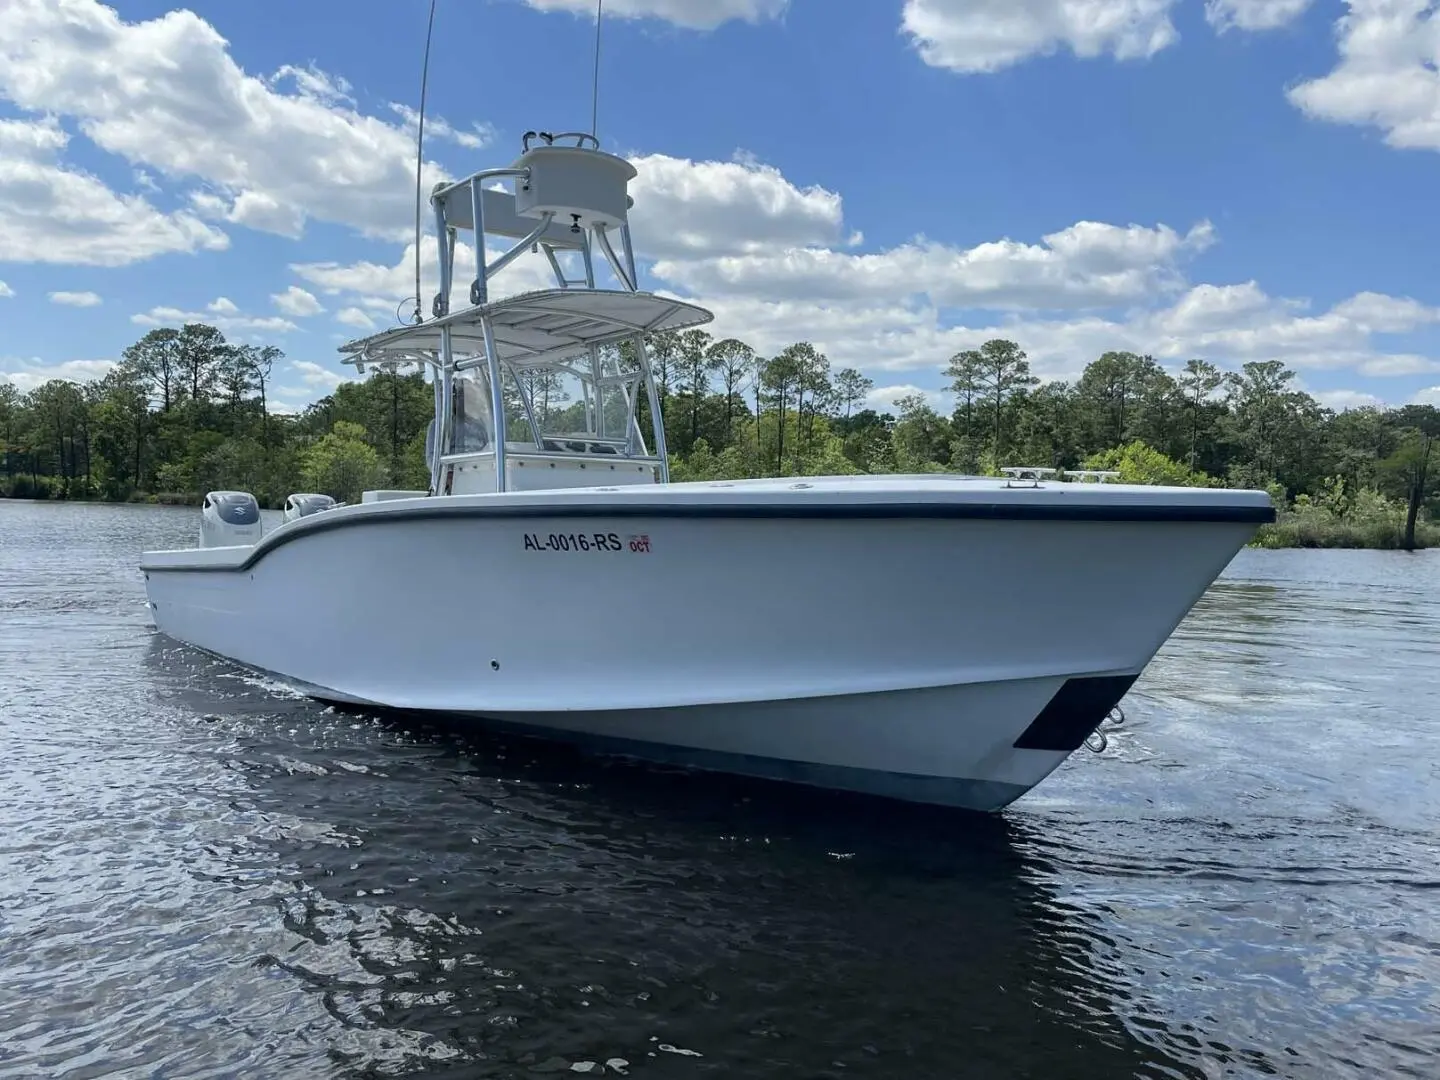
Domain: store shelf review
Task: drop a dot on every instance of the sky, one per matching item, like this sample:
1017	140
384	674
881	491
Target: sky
891	180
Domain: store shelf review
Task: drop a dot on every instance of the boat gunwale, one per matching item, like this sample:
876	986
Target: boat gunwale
426	508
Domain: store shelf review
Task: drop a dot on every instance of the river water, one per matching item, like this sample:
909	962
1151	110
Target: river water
204	875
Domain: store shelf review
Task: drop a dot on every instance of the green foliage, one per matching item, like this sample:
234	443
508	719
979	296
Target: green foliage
1361	519
1138	463
185	411
341	463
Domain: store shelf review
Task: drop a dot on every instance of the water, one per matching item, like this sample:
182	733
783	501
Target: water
204	875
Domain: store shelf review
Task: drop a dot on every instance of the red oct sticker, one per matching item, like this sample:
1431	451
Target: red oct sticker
640	544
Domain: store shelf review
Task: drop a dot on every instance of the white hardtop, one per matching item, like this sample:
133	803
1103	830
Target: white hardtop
533	329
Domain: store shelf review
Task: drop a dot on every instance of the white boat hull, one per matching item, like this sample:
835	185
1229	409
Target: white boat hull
939	641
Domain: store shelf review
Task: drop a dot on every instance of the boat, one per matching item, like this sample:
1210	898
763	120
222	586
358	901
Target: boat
935	638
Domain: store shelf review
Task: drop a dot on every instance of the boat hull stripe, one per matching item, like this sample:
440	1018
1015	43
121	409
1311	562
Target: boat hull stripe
919	511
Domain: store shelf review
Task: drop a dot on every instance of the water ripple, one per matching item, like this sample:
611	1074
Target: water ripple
205	874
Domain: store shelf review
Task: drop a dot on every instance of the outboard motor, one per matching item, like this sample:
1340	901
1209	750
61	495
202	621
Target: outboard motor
298	506
229	519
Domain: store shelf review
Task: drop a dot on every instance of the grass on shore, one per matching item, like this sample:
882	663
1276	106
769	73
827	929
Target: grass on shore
1365	519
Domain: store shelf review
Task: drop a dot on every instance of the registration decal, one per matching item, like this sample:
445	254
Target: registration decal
587	542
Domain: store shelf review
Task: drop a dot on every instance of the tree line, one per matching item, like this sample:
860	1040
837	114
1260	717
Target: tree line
185	411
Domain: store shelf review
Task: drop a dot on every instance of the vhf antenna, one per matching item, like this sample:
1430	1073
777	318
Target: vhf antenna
595	87
420	134
419	159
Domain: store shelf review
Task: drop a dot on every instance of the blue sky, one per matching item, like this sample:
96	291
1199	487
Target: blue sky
894	180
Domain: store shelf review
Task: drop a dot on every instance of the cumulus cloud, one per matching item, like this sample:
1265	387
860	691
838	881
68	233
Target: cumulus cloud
885	337
384	292
296	302
1088	264
268	153
480	135
74	299
883	398
317	377
691	14
685	207
221	313
1340	400
353	316
26	375
53	213
1388	74
776	260
1253	15
981	36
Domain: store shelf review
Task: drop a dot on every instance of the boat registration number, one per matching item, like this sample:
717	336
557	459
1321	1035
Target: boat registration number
587	542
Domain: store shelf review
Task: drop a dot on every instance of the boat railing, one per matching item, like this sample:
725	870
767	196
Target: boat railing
1016	474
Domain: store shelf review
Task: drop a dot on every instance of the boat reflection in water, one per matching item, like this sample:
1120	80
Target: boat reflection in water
494	906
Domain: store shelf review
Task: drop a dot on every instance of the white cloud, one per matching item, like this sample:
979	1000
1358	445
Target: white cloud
387	292
683	209
75	299
890	337
686	208
1340	400
777	262
1388	75
1397	364
53	213
166	95
5	290
353	316
981	36
1382	314
691	14
778	273
220	313
285	408
270	153
883	398
1089	263
1429	396
26	375
1253	15
317	377
296	302
482	135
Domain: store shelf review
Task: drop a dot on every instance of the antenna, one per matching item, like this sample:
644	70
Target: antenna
419	159
595	88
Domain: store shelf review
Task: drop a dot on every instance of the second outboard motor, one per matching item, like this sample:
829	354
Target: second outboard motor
303	505
229	519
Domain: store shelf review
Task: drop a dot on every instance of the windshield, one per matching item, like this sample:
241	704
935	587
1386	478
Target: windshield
471	414
570	410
